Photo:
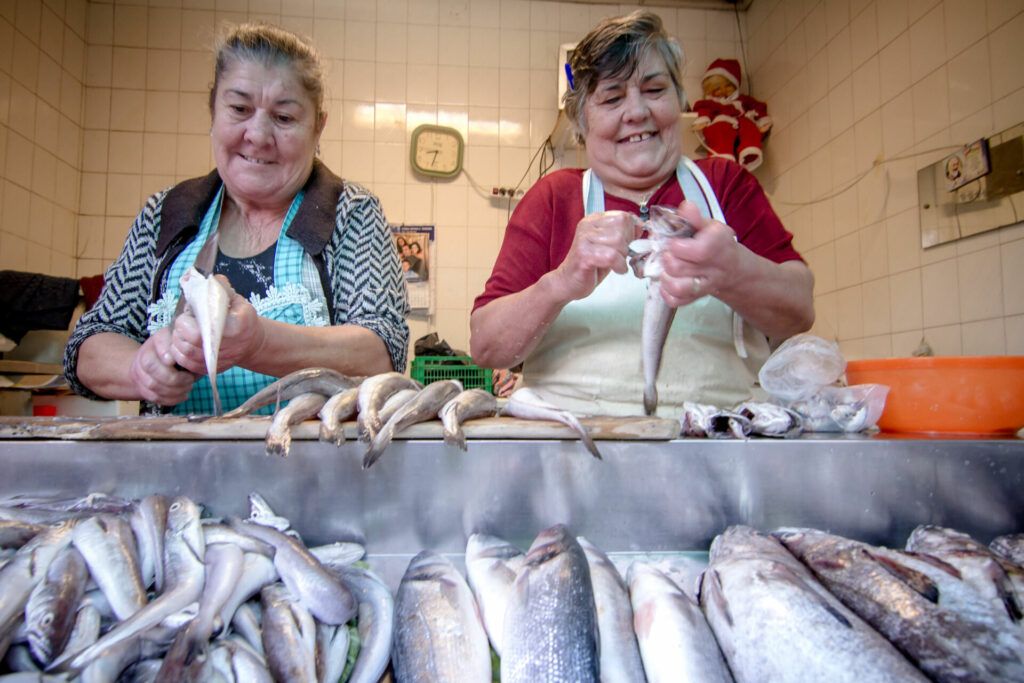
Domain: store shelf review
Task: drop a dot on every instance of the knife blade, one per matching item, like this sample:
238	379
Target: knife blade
204	264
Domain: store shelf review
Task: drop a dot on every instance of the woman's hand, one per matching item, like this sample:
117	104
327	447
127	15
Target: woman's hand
600	244
242	338
155	375
707	263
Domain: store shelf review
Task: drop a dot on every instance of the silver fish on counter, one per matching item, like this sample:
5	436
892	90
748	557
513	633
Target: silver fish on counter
309	581
620	653
209	302
373	392
469	405
394	402
376	622
551	628
424	406
306	381
702	420
977	564
289	637
108	546
492	564
916	601
302	407
526	404
675	639
53	605
439	637
339	407
775	622
1009	547
665	223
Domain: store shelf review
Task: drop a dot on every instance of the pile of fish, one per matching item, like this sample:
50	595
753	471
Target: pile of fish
384	405
105	589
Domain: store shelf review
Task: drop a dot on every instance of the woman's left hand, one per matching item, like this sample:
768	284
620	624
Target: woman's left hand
707	263
243	336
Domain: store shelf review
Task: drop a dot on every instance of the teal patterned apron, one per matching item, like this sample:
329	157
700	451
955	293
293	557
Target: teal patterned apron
295	298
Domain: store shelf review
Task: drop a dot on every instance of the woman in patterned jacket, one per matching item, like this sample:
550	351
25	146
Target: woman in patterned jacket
315	277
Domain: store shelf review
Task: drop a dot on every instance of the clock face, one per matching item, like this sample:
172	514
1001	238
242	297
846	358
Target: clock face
437	151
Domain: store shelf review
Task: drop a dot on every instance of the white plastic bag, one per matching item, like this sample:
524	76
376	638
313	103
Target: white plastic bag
801	366
842	409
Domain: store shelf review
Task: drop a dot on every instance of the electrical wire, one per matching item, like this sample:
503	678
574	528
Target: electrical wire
544	145
743	49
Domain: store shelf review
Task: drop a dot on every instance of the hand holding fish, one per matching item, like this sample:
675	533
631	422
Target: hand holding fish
707	263
241	334
154	374
600	245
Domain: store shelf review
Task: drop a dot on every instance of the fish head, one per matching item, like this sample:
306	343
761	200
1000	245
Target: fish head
665	221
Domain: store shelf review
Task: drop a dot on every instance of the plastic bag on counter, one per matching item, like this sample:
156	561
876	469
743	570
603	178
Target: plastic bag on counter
842	409
800	367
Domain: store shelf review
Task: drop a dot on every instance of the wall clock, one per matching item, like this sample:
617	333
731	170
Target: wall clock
436	151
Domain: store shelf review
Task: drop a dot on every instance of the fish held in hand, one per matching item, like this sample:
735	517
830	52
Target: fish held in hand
209	302
526	404
469	405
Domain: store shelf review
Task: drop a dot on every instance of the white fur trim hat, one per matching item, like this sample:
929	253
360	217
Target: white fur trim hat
729	69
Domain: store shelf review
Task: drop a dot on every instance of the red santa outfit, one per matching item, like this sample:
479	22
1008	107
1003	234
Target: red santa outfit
732	126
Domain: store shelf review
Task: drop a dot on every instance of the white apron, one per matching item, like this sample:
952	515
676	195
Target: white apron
589	359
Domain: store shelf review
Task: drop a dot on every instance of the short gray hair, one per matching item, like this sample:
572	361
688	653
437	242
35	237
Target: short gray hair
613	49
271	46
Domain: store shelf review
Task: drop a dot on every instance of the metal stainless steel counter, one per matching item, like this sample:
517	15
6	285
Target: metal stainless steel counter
645	496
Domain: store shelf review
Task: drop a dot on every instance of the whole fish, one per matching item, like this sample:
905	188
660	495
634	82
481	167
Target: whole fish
775	622
394	402
257	571
25	570
209	302
620	653
438	633
302	407
1009	547
222	533
289	636
53	605
14	533
526	404
424	406
306	381
665	223
108	546
376	622
551	628
234	661
977	564
685	572
339	408
331	651
491	567
149	522
246	625
915	602
84	632
675	640
312	585
469	405
373	392
184	549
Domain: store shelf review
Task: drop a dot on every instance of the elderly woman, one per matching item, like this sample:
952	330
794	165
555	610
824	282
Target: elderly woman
315	277
560	296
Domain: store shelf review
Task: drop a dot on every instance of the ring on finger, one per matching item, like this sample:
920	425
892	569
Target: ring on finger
696	285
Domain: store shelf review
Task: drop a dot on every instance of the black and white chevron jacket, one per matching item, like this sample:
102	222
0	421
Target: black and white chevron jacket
340	224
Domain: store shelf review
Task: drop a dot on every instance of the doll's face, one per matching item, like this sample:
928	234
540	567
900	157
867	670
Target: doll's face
717	86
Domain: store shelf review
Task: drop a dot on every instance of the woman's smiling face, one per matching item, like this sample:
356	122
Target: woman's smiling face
264	134
632	128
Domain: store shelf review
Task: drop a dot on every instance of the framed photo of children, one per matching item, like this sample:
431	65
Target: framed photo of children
413	243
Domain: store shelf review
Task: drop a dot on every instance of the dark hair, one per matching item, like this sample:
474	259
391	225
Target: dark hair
613	49
271	46
417	247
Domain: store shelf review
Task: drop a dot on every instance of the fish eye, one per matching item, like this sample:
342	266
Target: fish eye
176	505
46	620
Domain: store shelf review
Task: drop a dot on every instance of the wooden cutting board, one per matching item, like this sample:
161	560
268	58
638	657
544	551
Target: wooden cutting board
255	428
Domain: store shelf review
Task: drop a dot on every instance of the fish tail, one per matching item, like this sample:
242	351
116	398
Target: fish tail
334	435
588	442
378	445
650	399
455	437
279	444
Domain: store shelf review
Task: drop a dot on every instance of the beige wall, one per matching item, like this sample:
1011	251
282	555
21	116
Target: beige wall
862	91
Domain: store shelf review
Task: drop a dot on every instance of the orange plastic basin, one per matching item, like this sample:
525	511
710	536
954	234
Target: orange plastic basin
947	394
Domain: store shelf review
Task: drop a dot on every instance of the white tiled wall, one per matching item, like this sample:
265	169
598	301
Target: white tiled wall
132	88
864	93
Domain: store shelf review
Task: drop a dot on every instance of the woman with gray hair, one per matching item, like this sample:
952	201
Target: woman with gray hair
307	258
560	296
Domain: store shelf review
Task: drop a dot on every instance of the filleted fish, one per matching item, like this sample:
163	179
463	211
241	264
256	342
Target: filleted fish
209	302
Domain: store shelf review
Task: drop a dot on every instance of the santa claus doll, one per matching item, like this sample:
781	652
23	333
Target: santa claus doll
728	123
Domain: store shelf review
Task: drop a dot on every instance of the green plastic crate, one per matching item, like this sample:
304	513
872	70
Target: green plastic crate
427	369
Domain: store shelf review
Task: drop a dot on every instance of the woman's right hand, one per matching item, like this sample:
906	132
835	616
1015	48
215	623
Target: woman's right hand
155	374
600	244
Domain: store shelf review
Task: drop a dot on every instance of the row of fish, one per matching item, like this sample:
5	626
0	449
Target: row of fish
148	591
384	405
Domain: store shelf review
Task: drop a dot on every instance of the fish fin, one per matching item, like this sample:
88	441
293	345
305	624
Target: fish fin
711	586
456	438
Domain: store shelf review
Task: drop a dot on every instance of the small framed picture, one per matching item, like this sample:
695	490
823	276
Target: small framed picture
966	164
